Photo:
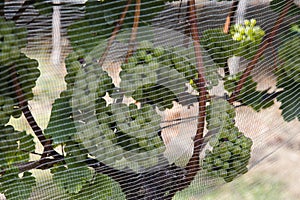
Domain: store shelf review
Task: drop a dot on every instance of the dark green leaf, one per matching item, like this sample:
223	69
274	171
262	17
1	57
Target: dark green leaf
290	97
249	95
61	125
102	187
17	188
72	178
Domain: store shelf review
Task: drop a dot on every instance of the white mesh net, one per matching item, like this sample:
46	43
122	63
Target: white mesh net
149	99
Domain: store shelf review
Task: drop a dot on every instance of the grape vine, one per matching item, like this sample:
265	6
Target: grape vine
107	141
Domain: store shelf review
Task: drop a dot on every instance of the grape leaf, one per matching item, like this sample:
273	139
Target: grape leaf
211	68
102	187
72	178
78	182
288	78
288	54
14	187
289	97
249	95
100	19
61	125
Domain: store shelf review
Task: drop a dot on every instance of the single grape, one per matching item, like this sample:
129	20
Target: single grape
148	58
145	45
158	51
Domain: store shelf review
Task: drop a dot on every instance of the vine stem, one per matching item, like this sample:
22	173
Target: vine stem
229	17
24	6
193	165
267	41
134	30
115	32
23	104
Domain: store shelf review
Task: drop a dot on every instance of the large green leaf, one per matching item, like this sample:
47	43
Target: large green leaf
102	187
73	177
80	182
101	17
61	125
288	78
249	95
289	97
14	187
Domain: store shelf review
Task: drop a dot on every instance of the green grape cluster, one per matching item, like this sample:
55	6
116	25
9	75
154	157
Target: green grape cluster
133	129
91	78
231	149
91	82
111	132
289	55
248	36
73	65
14	64
12	40
219	45
27	72
156	75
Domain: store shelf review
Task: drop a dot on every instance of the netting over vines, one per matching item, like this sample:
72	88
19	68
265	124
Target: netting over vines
142	99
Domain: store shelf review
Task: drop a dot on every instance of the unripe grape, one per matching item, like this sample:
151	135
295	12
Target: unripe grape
145	45
225	156
132	60
226	165
232	136
230	175
222	173
7	129
141	54
153	65
218	162
158	51
236	150
148	58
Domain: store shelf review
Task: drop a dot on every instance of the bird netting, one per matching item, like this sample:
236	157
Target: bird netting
143	99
